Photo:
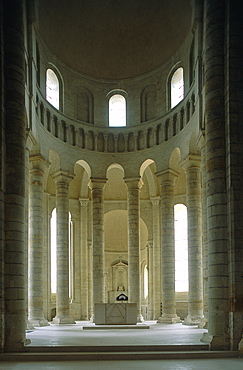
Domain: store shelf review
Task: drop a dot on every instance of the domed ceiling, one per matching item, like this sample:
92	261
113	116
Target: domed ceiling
114	39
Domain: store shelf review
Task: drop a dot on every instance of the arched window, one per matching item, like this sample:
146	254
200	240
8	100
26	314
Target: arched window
52	88
117	111
181	248
54	252
177	87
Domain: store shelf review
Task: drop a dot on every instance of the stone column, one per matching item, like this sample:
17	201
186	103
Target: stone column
150	280
36	240
214	79
97	186
90	281
192	166
169	315
84	258
156	258
14	197
134	278
62	180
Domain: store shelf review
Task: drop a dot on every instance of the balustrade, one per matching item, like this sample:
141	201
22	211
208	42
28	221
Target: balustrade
104	139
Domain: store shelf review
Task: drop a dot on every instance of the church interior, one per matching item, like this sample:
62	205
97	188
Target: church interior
121	165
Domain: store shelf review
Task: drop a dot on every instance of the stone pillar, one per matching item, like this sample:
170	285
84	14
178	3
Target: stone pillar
36	240
90	281
169	315
97	185
150	280
62	180
214	79
192	166
156	258
84	258
134	278
14	197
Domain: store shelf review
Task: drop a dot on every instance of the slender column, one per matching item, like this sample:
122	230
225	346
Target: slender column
134	278
169	315
214	78
62	180
15	138
192	166
150	280
36	240
97	186
90	281
156	259
84	259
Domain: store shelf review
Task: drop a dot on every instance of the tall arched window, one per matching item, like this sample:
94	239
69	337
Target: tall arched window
52	88
177	87
117	111
181	248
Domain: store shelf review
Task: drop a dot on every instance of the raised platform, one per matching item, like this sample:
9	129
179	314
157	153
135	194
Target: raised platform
114	327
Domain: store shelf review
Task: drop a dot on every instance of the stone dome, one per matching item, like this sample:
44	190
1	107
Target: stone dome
113	39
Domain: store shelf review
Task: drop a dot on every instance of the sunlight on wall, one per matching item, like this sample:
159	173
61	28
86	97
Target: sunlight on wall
181	248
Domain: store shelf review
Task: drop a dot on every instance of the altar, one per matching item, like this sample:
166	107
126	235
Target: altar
115	313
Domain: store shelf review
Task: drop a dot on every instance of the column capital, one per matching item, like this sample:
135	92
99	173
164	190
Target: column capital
155	201
192	160
38	163
83	202
167	175
62	176
134	183
97	183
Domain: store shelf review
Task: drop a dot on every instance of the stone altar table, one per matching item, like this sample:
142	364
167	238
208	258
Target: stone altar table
115	313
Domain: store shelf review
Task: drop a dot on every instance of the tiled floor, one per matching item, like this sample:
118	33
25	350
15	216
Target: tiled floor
73	335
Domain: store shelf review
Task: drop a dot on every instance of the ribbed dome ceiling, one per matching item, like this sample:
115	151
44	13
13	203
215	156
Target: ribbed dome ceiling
114	39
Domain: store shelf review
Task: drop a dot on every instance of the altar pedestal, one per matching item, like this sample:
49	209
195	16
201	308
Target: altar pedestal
115	314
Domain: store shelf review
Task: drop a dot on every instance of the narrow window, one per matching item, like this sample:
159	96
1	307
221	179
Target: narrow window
181	248
52	88
117	111
177	87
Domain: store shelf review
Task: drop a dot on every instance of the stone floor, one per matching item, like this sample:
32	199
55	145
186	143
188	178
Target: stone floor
158	334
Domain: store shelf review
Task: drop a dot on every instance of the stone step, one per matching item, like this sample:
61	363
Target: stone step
119	348
105	356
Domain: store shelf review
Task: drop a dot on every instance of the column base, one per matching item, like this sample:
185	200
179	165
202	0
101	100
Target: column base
206	338
216	342
194	320
240	346
29	326
39	322
169	319
140	318
59	320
